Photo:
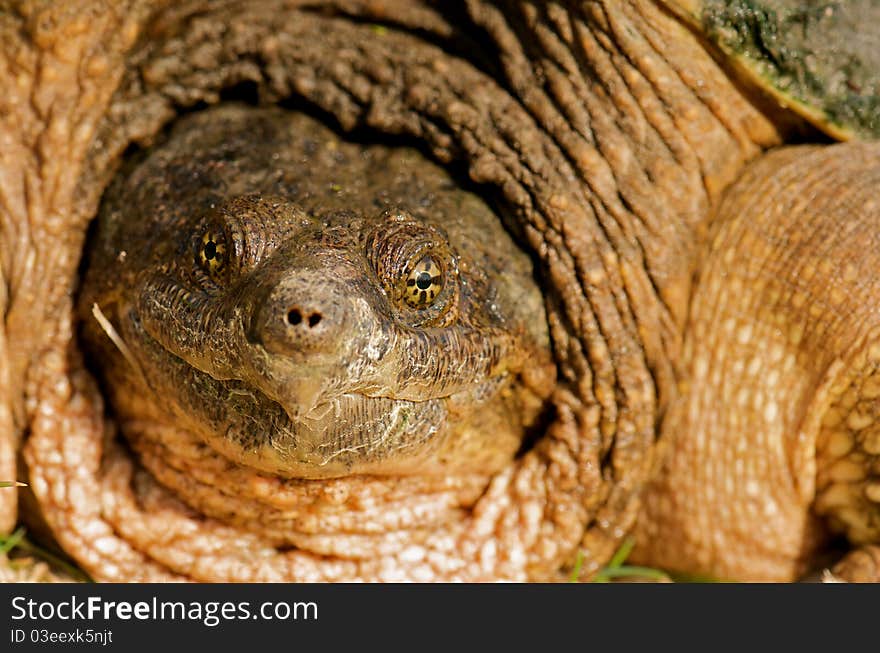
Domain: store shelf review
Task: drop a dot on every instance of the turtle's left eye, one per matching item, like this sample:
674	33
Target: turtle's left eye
417	268
424	281
212	252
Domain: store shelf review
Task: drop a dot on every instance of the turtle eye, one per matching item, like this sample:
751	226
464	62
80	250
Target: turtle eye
424	281
212	252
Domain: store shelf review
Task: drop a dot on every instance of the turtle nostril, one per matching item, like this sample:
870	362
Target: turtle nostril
295	318
302	317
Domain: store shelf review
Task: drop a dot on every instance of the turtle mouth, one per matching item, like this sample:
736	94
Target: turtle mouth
346	434
332	434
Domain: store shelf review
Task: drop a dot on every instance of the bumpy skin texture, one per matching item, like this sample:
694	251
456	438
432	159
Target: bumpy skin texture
778	415
608	133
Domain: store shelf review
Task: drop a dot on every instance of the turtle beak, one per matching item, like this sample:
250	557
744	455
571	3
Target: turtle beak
301	325
300	397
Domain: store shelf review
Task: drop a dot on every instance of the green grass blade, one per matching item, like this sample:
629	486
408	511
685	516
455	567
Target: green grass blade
60	563
622	553
576	571
9	542
16	541
608	573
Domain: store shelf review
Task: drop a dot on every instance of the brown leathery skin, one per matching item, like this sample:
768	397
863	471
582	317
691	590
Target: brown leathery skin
594	176
59	66
605	130
783	329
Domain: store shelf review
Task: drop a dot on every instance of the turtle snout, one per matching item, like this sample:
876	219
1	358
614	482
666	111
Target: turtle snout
303	314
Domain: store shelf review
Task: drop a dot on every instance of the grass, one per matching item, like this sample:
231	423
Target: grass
16	546
617	570
19	550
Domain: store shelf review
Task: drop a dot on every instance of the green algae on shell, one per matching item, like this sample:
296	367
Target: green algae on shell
819	59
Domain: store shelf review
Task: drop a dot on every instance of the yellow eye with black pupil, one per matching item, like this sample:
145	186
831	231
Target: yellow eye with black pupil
212	254
423	283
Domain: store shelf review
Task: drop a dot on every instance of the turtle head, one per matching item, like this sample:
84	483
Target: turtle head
319	346
382	324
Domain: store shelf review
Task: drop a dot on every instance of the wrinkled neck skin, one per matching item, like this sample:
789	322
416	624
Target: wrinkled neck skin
607	132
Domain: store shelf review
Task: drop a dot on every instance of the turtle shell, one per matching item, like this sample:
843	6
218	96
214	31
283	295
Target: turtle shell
819	59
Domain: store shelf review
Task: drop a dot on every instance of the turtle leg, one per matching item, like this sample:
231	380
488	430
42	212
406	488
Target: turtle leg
774	442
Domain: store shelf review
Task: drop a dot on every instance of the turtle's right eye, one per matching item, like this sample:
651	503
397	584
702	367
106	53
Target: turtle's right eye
424	281
213	253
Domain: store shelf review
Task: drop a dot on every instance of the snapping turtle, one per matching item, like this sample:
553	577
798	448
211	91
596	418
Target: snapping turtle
708	302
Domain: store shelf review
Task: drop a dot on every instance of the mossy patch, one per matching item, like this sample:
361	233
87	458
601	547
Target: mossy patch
822	56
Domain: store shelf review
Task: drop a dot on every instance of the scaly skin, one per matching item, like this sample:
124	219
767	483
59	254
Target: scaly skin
778	417
607	133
